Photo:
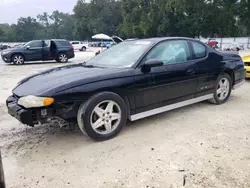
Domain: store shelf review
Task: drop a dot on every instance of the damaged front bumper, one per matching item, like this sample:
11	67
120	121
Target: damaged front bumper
34	116
29	117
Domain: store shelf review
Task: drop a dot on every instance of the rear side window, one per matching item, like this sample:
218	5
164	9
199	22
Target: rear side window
75	42
199	50
63	43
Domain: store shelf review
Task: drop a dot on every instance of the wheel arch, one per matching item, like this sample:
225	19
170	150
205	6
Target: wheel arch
18	53
230	72
119	93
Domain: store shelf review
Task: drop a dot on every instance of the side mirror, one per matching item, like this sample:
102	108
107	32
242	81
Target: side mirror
28	47
153	63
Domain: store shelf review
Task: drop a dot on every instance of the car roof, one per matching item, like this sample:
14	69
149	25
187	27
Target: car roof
159	39
58	40
50	39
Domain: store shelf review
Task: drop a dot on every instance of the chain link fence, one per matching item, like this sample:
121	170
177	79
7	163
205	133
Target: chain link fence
224	42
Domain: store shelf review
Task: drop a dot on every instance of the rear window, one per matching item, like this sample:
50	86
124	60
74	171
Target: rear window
199	50
63	43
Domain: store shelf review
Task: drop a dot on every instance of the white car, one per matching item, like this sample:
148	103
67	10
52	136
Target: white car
78	45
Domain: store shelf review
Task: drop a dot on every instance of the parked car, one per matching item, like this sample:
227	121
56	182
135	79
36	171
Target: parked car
234	47
96	44
78	45
115	40
151	76
212	43
2	179
246	60
3	47
40	50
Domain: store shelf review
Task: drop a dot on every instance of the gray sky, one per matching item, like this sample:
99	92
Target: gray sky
11	10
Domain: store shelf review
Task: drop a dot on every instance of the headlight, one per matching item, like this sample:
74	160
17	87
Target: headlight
31	101
5	52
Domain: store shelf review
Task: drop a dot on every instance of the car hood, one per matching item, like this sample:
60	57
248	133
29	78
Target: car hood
51	82
15	49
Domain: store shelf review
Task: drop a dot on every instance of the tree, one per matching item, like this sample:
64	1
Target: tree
98	16
27	29
244	15
136	18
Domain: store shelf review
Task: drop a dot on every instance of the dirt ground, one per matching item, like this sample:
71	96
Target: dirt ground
202	145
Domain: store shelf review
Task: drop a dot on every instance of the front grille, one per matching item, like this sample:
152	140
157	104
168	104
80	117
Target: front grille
34	116
247	63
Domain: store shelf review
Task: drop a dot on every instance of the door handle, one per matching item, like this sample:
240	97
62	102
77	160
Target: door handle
190	71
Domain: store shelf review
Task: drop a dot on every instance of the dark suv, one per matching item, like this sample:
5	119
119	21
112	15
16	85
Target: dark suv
40	50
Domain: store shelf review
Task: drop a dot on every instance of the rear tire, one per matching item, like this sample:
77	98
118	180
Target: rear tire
17	59
103	116
222	89
63	58
83	49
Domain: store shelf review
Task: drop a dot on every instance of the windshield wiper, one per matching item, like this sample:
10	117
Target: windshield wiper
84	64
89	66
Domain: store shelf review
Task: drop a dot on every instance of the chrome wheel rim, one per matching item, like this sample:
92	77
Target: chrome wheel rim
18	60
105	117
63	58
223	88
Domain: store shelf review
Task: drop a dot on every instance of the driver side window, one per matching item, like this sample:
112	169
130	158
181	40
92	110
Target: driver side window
170	52
36	44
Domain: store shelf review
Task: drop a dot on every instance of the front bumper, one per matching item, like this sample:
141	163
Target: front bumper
247	71
6	58
29	117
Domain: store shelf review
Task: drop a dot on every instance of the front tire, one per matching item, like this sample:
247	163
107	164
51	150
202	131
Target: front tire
103	116
63	58
18	59
222	90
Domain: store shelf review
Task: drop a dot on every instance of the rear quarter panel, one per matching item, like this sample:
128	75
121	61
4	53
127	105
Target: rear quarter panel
234	63
67	50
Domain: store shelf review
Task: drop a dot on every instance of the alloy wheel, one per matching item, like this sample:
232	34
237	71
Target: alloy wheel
18	60
223	88
105	117
63	58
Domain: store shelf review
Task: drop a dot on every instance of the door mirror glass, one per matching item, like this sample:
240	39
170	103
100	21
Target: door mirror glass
153	63
27	47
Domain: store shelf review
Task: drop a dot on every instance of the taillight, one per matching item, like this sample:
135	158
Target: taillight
71	47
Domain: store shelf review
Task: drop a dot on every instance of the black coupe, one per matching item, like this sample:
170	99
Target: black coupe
132	80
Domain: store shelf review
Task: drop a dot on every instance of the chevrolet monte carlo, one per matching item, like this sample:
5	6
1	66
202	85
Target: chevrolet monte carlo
132	80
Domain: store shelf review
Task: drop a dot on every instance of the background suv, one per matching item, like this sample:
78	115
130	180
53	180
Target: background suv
40	50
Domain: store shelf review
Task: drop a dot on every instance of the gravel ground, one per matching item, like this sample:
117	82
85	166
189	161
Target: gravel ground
201	145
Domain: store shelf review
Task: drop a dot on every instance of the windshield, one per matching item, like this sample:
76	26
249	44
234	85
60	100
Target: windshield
124	54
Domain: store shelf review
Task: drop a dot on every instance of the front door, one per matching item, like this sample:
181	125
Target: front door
173	82
33	51
48	49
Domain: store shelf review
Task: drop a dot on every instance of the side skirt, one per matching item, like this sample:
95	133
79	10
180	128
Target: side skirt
169	107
